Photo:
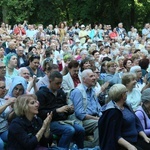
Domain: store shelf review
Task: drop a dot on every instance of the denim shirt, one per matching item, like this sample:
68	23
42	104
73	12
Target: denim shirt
88	106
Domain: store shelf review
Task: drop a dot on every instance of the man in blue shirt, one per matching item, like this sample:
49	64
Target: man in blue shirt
86	105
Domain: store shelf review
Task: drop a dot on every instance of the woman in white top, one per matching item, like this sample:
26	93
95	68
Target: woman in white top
133	94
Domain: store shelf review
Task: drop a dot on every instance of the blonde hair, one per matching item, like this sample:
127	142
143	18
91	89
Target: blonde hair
127	77
116	91
110	63
21	104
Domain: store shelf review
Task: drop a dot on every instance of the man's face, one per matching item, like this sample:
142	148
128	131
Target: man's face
96	55
65	47
2	89
20	51
25	74
55	84
89	80
74	71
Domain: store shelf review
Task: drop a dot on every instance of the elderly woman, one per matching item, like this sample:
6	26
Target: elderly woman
5	114
133	94
140	82
10	60
119	128
27	131
143	111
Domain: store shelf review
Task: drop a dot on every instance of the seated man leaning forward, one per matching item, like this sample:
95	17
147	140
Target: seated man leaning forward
53	99
86	105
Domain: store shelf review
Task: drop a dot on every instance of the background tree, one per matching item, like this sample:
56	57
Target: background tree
130	12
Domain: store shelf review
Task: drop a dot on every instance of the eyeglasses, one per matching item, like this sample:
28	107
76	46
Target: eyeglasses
2	67
3	87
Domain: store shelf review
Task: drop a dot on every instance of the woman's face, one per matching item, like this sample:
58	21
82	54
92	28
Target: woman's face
78	51
34	50
34	64
139	73
18	90
131	84
33	106
112	69
129	64
121	62
87	65
38	45
13	61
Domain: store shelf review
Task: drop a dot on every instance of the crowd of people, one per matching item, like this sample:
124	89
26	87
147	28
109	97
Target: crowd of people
74	87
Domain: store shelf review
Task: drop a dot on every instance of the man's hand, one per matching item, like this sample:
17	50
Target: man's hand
63	109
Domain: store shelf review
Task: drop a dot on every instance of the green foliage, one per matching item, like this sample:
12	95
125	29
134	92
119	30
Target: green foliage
130	12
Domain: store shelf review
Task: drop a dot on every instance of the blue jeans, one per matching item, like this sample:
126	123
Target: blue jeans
68	134
3	138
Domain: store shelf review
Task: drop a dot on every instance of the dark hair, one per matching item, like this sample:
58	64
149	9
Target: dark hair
48	52
55	74
30	48
73	63
83	62
143	63
51	66
34	57
106	59
137	50
95	51
125	62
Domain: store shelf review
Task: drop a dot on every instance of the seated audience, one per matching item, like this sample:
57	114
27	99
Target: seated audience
119	128
27	131
54	99
86	106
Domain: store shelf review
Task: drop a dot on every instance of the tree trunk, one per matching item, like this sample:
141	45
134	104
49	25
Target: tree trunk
4	13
